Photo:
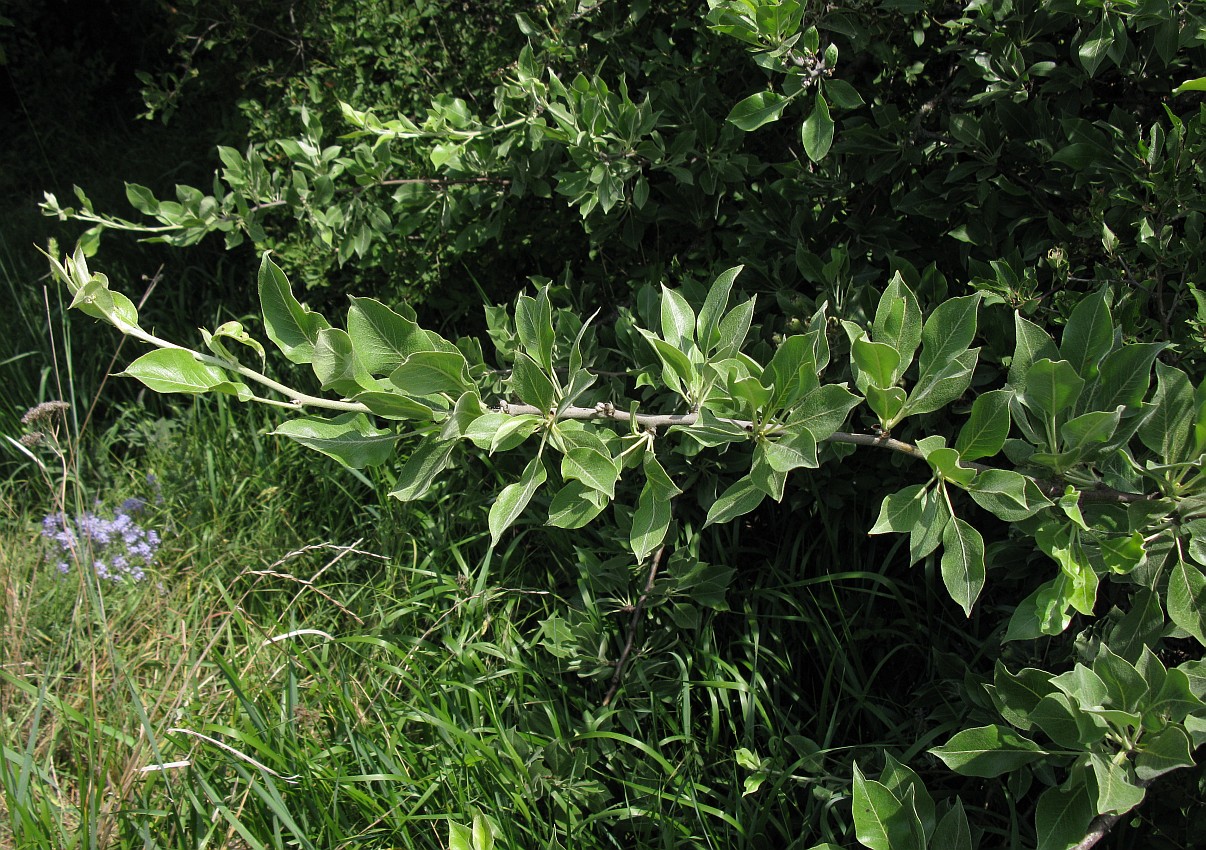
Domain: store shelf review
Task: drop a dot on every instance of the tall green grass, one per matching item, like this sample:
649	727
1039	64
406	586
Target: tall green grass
311	665
340	672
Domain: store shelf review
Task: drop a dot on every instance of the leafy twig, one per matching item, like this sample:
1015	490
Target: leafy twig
605	410
637	611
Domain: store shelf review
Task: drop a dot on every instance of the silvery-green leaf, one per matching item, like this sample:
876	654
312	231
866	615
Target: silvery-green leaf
349	438
174	370
510	503
293	327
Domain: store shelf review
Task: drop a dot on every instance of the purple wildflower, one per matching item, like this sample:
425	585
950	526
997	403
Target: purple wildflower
132	506
116	547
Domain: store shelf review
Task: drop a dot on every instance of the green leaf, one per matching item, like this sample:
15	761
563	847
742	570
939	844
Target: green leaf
877	363
1082	685
334	363
747	759
579	378
766	477
823	410
739	499
1168	430
1124	684
885	404
711	431
510	503
984	433
1069	503
943	383
796	448
1195	675
1196	727
91	294
900	511
1163	751
1124	377
1009	495
948	332
750	391
843	95
1062	816
1031	344
817	130
392	405
142	199
460	837
1198	84
534	326
467	408
1186	600
1052	387
677	319
595	470
501	431
1197	539
1175	698
349	438
1018	694
753	782
1094	47
898	319
818	328
483	835
427	373
1115	793
677	371
530	382
1065	724
903	782
173	370
925	536
758	109
651	520
881	821
381	338
575	505
428	460
291	326
1142	626
953	831
708	323
733	329
1089	334
569	434
988	751
1061	541
233	331
1089	431
792	371
945	462
1043	612
963	570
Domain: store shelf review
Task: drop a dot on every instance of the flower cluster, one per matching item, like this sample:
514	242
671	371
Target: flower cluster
116	547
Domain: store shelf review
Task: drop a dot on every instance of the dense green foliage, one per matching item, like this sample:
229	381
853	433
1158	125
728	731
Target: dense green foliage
940	263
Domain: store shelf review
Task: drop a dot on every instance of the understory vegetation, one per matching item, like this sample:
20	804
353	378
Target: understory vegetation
760	423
